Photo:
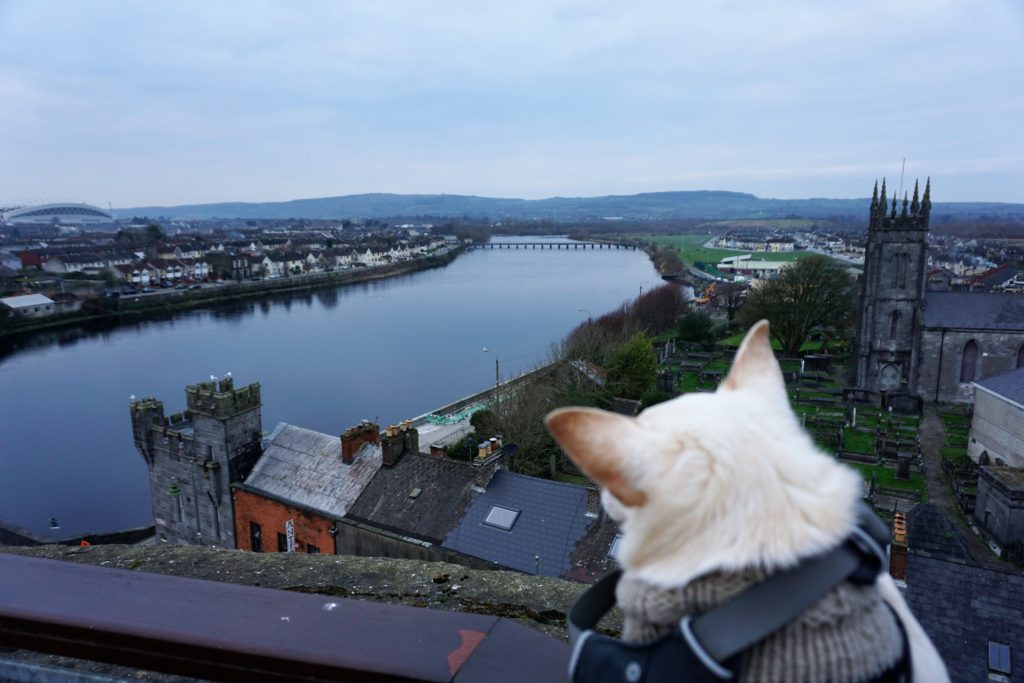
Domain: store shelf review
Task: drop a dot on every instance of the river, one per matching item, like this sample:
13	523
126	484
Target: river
386	350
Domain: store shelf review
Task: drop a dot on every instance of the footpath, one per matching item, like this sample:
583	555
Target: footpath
933	438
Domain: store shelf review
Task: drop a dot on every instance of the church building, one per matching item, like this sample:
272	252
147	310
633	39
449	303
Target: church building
916	342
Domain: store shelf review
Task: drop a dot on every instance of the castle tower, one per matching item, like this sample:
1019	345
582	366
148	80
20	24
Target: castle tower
891	292
195	456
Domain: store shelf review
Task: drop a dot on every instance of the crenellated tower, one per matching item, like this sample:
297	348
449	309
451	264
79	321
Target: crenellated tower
891	291
194	456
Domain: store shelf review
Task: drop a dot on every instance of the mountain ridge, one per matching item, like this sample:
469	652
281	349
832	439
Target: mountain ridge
682	204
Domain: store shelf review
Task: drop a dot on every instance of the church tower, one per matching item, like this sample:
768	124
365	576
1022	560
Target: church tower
891	292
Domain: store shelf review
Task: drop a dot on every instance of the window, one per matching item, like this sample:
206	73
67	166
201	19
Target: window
255	537
501	518
613	550
1020	357
282	543
894	324
998	661
969	362
312	549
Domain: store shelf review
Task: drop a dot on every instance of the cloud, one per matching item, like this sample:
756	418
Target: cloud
167	103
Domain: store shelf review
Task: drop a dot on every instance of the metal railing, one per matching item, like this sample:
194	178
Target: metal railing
228	632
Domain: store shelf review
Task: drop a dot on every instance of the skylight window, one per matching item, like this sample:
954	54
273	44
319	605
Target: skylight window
501	518
613	551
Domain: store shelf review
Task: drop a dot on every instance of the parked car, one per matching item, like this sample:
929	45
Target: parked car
148	290
196	287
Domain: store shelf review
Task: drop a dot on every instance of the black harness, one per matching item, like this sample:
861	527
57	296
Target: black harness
706	648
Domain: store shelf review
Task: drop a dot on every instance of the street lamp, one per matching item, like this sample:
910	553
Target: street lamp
584	310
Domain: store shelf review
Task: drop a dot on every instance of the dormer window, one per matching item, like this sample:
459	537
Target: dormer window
501	518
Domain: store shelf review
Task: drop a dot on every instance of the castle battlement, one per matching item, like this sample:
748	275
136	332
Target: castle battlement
219	399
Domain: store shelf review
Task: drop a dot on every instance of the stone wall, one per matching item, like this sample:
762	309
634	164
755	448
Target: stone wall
537	601
942	353
997	429
999	508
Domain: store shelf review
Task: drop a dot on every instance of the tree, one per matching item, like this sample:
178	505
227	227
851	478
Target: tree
633	370
815	292
697	326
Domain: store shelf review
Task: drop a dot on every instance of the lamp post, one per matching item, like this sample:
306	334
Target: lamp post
584	310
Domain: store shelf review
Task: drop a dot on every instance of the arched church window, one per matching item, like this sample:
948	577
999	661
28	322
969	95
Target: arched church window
1020	357
969	362
894	324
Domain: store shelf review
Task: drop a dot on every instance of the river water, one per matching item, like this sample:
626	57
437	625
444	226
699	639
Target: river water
386	350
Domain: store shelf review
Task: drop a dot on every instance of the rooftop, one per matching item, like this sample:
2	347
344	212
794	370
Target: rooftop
1009	385
963	607
552	520
25	300
974	310
305	467
443	490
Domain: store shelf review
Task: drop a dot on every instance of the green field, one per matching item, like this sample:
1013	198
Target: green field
691	249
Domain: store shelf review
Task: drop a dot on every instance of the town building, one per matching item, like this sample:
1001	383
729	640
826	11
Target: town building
932	345
213	480
196	455
997	425
28	306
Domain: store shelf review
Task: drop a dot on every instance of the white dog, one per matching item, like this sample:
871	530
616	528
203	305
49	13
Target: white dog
713	491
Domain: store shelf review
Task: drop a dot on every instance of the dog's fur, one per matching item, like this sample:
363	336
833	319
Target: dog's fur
723	481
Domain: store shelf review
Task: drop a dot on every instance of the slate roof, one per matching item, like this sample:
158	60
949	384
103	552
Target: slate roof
1009	385
974	310
929	530
962	607
552	519
446	490
305	467
589	561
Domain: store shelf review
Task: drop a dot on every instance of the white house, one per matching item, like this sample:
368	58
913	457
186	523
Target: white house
28	306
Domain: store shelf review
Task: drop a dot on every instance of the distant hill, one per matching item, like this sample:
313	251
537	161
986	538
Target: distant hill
704	204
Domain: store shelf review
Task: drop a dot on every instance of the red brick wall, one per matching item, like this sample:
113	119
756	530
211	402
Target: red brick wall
353	439
271	516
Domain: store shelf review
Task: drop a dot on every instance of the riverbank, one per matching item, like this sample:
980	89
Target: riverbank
127	308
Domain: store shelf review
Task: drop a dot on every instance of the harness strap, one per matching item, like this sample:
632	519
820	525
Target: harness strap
768	606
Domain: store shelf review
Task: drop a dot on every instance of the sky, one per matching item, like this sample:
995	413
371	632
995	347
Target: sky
165	103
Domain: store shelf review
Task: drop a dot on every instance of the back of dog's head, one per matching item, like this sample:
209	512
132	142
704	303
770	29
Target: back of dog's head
714	480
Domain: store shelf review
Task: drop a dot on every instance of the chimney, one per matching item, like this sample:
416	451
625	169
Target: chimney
438	450
593	500
490	456
353	438
898	549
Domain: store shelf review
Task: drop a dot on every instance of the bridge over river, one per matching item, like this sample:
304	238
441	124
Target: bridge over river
551	245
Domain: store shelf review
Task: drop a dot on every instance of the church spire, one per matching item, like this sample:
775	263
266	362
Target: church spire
915	206
882	203
874	197
926	201
905	203
894	203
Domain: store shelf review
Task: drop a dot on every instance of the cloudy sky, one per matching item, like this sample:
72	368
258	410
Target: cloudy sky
138	103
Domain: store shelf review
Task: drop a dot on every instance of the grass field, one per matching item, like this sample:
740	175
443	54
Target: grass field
691	249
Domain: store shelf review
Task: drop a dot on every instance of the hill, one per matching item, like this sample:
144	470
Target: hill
703	204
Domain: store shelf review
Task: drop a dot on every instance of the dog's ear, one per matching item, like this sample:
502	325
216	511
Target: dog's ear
602	444
755	366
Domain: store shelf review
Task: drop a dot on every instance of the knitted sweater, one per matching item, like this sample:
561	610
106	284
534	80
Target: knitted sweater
851	635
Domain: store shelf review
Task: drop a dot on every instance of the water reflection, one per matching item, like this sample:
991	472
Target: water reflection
326	358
